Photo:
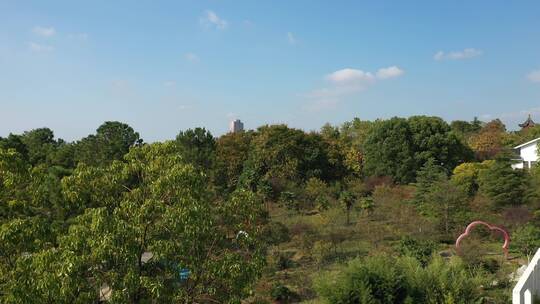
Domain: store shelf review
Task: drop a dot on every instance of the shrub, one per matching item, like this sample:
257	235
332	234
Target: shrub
526	239
283	261
281	293
383	279
322	251
418	249
275	233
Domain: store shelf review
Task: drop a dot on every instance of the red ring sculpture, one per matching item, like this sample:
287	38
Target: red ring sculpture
491	227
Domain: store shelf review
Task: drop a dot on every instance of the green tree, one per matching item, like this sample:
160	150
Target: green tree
232	150
111	142
389	150
399	147
347	200
465	176
15	142
197	146
502	184
39	143
430	174
489	141
156	206
280	156
433	138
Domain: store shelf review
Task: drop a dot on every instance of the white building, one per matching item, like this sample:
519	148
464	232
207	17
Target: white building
528	154
236	126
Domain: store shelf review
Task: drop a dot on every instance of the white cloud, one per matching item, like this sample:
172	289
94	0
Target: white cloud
534	76
40	48
211	19
350	76
169	83
291	38
346	82
192	57
457	55
389	72
44	31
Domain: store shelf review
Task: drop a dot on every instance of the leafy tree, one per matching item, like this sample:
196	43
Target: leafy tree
465	176
197	146
489	141
427	176
111	142
155	205
399	147
465	128
352	136
39	143
432	138
502	184
232	150
449	205
282	155
315	188
366	204
14	142
438	198
347	200
389	150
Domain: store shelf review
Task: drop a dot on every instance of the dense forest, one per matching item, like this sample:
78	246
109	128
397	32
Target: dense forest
364	212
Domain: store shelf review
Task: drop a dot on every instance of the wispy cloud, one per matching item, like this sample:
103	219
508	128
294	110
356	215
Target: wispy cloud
39	48
457	55
344	83
169	83
534	76
44	31
291	38
192	57
211	19
389	72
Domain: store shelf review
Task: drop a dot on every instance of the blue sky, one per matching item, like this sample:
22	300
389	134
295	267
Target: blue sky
165	66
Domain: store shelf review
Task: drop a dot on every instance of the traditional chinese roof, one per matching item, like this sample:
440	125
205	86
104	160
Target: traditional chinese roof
528	123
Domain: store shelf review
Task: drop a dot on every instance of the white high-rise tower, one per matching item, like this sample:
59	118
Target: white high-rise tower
236	126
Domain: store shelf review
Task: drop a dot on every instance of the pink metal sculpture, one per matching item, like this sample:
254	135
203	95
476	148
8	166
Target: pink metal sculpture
491	227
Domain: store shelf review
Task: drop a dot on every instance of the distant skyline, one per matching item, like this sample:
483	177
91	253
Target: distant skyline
166	66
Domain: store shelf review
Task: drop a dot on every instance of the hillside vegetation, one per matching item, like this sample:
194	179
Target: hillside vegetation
365	212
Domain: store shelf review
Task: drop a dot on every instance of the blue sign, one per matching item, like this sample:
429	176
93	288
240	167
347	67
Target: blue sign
184	274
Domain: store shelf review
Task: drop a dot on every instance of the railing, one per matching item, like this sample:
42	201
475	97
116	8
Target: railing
528	286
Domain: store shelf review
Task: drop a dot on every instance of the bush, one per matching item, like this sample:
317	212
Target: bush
322	251
418	249
284	262
383	279
526	239
275	233
281	293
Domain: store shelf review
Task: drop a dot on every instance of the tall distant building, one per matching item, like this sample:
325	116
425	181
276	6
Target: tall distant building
236	126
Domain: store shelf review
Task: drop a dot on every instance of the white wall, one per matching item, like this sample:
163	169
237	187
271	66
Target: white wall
528	153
